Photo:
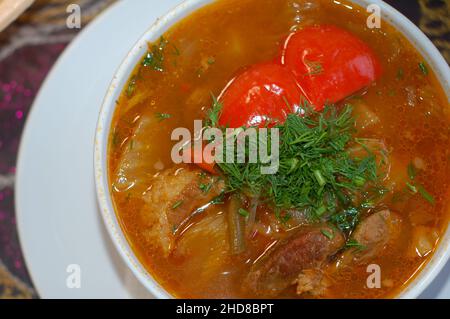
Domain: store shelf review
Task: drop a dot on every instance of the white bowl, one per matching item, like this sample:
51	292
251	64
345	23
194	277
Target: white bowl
389	14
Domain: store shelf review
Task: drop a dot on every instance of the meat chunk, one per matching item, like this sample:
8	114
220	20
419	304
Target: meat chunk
172	199
373	234
307	248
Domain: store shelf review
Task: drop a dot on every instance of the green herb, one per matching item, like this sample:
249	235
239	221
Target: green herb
427	196
162	116
400	74
412	188
218	200
131	144
155	56
214	113
315	169
314	67
327	234
411	171
423	68
175	50
177	204
131	87
205	188
346	220
319	177
283	217
321	210
211	60
353	243
115	138
243	212
367	205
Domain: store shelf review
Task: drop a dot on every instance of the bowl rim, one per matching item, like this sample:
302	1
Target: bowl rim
417	38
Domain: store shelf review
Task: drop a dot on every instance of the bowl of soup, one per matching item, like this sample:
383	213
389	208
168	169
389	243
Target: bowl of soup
278	149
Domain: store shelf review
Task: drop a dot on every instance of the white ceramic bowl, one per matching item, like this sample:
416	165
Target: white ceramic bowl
389	14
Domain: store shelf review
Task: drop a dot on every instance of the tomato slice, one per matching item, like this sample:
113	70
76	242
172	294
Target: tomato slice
329	63
262	95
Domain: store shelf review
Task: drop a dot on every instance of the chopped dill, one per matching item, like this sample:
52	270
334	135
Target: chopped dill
415	188
205	188
177	204
211	60
315	169
131	87
400	74
314	68
115	138
427	196
154	58
162	116
214	113
243	212
353	243
411	171
423	67
327	234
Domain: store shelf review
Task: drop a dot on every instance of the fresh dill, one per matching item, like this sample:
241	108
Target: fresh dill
353	243
314	67
411	171
131	87
243	212
211	60
205	188
162	116
400	74
427	196
327	234
315	170
415	188
423	67
214	113
177	204
154	58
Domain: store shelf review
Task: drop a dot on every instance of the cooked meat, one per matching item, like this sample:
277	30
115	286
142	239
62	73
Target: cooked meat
172	199
373	234
307	248
312	282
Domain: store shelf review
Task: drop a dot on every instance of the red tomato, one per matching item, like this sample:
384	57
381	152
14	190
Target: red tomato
329	63
262	95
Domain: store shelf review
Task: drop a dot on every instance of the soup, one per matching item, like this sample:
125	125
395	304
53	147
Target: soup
359	199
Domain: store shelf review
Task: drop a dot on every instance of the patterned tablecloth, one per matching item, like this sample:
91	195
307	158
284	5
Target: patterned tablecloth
28	49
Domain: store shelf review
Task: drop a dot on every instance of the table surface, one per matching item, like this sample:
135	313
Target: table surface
29	48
